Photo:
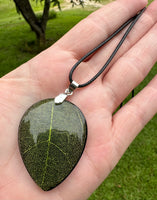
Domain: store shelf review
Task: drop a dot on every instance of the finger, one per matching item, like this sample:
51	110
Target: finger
131	69
76	42
99	25
131	118
146	21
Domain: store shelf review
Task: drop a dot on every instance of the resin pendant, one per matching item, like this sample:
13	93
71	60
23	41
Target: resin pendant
51	141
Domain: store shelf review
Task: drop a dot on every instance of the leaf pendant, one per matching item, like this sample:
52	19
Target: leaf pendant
51	141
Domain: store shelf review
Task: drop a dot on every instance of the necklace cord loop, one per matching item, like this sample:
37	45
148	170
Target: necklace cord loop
133	21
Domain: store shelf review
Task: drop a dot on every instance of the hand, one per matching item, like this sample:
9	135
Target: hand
46	76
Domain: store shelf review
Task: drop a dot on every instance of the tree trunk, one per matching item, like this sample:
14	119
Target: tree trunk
45	14
39	28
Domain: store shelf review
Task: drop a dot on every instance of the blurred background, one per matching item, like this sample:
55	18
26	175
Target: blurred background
135	176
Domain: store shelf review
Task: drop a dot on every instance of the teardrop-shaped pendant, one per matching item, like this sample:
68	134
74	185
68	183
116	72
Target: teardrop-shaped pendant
51	141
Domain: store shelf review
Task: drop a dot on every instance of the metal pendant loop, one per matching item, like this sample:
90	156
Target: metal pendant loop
69	91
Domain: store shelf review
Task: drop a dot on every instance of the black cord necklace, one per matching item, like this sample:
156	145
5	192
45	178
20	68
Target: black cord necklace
53	132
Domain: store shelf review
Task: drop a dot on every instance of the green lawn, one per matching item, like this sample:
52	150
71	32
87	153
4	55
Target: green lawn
135	176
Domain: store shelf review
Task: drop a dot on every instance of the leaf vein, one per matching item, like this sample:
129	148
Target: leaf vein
29	149
58	148
49	139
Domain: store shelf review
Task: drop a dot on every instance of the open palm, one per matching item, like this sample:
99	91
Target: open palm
46	75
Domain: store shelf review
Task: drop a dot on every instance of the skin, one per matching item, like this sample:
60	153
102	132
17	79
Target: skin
46	76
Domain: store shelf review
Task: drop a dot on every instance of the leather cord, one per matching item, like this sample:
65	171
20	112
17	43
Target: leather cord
133	21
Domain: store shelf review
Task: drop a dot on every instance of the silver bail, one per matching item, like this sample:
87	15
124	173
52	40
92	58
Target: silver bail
73	85
69	91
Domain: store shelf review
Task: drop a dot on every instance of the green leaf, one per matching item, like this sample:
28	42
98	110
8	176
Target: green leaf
51	141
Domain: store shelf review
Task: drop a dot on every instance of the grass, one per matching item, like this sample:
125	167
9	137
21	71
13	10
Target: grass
135	176
18	45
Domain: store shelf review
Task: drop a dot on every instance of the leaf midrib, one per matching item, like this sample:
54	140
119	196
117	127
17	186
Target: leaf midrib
49	142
